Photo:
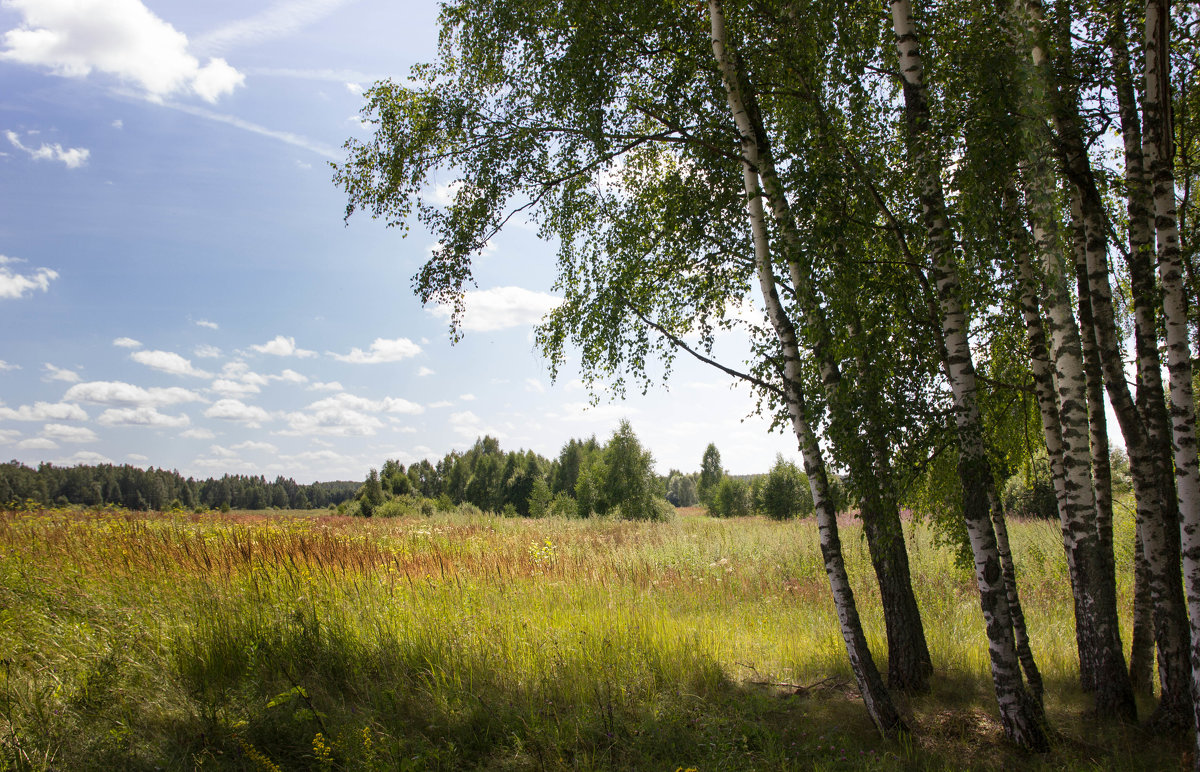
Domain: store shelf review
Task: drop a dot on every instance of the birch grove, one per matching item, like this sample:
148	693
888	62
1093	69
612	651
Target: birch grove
950	276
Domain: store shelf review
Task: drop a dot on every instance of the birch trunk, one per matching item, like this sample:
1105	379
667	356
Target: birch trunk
1095	594
875	695
1157	559
909	662
1019	712
1158	147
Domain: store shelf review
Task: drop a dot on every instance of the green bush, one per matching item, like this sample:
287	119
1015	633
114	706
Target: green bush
731	498
785	493
1030	492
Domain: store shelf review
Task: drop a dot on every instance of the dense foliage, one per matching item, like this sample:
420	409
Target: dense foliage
159	489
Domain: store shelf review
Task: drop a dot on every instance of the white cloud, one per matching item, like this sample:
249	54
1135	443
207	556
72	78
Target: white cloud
283	347
44	411
37	443
8	435
60	374
355	88
239	370
197	434
500	308
122	38
424	371
128	395
346	414
141	416
72	158
279	20
265	447
221	452
233	388
330	386
118	124
234	410
208	324
66	433
287	137
382	350
15	285
442	403
8	366
137	458
534	385
84	457
467	397
127	343
205	351
467	424
168	362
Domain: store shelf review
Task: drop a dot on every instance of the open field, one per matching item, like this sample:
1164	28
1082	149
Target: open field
135	641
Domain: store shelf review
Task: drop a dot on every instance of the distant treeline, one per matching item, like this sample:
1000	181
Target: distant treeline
158	489
587	478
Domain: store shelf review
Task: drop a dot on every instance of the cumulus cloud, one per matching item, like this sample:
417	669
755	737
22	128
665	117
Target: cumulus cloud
141	416
121	38
534	385
127	343
44	411
168	362
127	395
281	346
240	371
82	458
424	371
68	433
208	324
382	350
197	434
346	415
291	376
60	374
16	285
500	308
72	158
37	443
8	366
265	447
330	386
252	416
233	388
442	403
205	351
8	435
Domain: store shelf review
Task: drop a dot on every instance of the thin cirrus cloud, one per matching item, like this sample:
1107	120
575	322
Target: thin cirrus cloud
72	158
500	308
168	362
15	285
282	346
381	350
279	20
120	38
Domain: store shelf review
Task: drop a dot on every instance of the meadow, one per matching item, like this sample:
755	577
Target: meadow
466	641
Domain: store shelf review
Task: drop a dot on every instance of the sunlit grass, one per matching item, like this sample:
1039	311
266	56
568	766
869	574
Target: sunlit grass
466	641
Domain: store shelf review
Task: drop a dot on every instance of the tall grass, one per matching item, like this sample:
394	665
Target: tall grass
466	641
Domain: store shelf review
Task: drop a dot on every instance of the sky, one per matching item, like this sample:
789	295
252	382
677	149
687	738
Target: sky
178	288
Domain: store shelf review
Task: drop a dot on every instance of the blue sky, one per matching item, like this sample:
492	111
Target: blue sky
178	289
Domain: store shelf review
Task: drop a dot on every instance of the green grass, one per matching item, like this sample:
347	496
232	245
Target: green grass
134	641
